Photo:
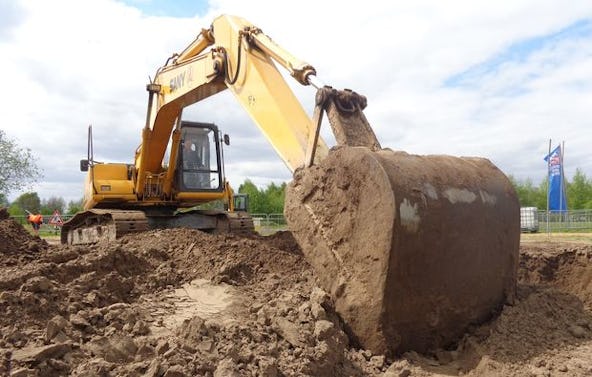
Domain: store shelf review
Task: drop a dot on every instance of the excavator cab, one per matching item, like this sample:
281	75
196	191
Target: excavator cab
200	158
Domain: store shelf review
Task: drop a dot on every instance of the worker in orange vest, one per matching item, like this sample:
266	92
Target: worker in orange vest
36	221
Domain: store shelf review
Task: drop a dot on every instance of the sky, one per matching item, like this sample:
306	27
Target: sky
466	78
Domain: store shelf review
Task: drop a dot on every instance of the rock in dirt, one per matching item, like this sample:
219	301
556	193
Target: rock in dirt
23	372
289	331
155	369
79	322
116	349
41	353
226	368
175	371
54	326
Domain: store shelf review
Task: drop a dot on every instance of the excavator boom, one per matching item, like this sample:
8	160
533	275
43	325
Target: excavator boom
241	58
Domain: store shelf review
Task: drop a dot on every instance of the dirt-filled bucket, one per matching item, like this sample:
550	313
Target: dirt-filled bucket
413	249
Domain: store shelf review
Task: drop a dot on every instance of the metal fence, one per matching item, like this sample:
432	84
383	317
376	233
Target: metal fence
560	221
531	219
266	223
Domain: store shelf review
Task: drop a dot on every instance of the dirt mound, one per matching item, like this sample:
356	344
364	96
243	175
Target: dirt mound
185	303
131	308
16	244
566	267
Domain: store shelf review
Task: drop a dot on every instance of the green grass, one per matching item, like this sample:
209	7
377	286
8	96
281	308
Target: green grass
46	231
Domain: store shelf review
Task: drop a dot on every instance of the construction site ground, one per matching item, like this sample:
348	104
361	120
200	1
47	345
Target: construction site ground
186	303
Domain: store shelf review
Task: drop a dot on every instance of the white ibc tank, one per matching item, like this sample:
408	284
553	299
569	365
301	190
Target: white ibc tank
529	219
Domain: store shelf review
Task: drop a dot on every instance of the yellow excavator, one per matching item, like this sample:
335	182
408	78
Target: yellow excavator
413	249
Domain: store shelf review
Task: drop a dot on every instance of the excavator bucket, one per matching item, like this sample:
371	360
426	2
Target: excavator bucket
413	249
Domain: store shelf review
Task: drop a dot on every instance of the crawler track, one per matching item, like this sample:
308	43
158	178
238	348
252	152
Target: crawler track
96	225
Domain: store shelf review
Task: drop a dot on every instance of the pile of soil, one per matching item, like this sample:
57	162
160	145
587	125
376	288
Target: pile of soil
186	303
16	244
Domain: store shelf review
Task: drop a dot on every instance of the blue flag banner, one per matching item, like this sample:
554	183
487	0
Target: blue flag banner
556	191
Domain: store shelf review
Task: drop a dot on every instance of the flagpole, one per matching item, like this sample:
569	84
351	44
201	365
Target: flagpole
563	186
548	186
561	214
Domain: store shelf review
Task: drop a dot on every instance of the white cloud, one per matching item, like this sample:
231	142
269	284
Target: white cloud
69	64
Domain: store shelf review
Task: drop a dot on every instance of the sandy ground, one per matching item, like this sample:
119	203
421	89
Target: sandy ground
185	303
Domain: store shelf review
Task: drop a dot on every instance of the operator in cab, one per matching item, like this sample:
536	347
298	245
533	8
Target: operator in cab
193	175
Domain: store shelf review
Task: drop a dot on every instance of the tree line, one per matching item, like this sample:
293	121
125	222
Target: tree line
261	200
266	200
578	192
31	202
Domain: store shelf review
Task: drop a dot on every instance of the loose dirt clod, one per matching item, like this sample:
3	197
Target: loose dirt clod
16	244
185	303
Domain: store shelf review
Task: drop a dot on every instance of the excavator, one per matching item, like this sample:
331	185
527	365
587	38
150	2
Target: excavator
412	249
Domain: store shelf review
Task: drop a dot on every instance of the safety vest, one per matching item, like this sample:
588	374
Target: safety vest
37	219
